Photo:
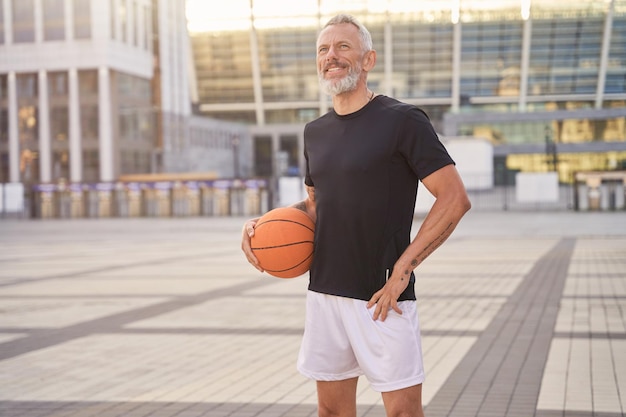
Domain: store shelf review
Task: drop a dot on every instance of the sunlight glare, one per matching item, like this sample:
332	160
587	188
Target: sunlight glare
216	15
221	15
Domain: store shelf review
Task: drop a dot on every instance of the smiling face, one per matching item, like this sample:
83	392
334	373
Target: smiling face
341	59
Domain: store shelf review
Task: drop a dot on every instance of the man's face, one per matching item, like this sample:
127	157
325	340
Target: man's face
339	58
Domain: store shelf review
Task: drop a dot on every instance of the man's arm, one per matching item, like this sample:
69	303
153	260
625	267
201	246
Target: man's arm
307	205
450	205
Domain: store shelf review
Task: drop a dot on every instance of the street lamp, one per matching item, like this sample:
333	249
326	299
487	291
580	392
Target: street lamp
234	141
551	152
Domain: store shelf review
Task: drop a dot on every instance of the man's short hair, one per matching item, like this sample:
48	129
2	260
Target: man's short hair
364	34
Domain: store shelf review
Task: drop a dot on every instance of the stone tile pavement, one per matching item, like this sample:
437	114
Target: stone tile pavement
523	314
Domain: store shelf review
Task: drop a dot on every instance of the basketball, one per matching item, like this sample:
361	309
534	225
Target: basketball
283	242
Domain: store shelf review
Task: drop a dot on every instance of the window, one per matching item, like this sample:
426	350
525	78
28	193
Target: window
27	85
135	24
134	162
4	126
60	165
121	14
27	116
57	84
3	87
53	20
88	82
59	124
263	156
564	56
91	165
89	122
82	19
23	21
4	167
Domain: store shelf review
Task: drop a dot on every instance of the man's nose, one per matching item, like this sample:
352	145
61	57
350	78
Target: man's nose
331	54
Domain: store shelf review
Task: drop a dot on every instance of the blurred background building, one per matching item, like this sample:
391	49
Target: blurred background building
530	78
91	91
109	91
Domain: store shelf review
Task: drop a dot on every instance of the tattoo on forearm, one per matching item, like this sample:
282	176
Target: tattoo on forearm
430	248
300	206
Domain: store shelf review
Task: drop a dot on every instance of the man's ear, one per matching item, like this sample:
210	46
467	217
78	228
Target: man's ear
369	60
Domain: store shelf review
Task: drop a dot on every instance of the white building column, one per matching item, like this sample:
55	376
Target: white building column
45	157
456	67
256	73
105	133
604	55
14	141
38	13
525	64
76	155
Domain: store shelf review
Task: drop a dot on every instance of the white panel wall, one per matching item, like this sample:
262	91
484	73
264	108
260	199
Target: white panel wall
474	161
537	187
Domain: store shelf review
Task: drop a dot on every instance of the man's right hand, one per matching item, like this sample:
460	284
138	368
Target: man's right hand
246	235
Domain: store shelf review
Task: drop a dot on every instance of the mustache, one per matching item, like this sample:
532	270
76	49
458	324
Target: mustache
334	63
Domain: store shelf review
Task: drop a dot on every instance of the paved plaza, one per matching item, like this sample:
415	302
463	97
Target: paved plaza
523	314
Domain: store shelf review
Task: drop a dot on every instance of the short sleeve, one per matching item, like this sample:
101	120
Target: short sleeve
420	144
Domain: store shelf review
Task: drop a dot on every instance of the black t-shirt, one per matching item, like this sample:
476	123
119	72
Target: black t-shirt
365	168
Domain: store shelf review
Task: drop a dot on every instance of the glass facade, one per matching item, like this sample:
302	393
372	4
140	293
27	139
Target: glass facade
27	125
224	67
451	58
58	96
96	123
565	55
88	98
135	123
422	60
287	61
616	73
567	163
89	124
559	131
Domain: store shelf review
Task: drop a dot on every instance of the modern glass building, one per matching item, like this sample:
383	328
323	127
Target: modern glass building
544	82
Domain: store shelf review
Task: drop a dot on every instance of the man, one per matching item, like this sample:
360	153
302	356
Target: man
364	160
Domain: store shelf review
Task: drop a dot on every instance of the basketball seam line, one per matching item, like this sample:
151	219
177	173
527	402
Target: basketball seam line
283	245
292	267
285	220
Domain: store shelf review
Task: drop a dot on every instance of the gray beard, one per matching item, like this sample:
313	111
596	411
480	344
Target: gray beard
336	87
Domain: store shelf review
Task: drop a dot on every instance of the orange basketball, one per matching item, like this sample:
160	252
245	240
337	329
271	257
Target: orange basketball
283	242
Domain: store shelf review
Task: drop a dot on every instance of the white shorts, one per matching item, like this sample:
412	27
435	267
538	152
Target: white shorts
342	341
